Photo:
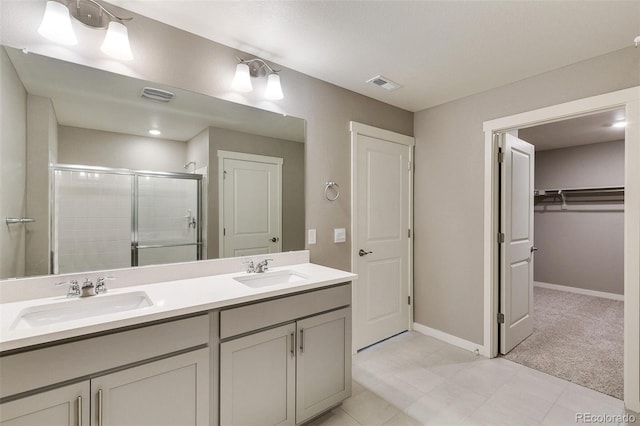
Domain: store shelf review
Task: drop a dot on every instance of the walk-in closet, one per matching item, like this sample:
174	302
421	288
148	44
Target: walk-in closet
578	264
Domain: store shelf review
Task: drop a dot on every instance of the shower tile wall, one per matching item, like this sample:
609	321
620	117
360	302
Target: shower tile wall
92	228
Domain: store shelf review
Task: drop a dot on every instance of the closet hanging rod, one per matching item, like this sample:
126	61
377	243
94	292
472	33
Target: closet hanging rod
600	189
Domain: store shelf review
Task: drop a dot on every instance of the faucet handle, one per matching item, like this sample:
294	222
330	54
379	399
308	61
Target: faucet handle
249	264
263	265
101	285
74	287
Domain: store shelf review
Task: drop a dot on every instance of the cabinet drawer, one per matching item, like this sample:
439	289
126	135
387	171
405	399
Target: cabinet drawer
244	319
69	361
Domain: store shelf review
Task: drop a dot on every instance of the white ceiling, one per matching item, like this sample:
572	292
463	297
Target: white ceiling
437	50
94	99
588	129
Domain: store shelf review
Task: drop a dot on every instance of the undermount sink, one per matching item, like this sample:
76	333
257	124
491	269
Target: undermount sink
70	310
266	279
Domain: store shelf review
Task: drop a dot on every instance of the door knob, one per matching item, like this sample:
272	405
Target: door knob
274	239
364	253
533	248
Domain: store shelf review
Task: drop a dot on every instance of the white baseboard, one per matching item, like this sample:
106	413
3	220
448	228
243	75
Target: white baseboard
453	340
579	291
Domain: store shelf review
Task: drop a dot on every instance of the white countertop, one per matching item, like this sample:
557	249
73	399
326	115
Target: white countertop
170	299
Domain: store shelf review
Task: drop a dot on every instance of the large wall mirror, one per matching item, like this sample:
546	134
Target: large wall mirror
103	171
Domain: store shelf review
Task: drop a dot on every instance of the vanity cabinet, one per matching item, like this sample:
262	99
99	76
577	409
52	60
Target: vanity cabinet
146	376
274	374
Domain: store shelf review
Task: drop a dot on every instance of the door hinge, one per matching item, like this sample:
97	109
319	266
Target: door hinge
408	233
500	318
408	300
224	231
409	166
224	174
500	237
500	156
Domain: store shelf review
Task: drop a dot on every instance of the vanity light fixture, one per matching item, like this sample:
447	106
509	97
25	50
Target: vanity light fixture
256	67
155	132
619	124
56	25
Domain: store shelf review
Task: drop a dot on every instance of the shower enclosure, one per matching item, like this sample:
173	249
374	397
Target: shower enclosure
103	218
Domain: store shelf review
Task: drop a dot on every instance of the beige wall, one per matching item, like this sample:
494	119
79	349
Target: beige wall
449	184
292	153
170	56
90	147
13	151
42	148
582	246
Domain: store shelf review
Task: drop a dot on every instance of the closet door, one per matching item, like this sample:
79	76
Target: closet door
516	278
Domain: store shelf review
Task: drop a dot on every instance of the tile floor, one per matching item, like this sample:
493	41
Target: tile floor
412	379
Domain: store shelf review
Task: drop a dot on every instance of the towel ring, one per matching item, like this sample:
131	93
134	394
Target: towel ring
329	185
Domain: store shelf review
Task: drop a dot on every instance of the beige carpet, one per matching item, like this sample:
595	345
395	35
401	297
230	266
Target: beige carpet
577	338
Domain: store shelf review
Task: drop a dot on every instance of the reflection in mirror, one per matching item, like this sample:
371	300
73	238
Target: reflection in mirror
117	172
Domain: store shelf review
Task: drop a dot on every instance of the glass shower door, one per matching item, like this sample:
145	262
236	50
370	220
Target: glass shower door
91	226
168	220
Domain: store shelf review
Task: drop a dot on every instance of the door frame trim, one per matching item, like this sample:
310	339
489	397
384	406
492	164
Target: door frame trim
363	129
630	100
223	155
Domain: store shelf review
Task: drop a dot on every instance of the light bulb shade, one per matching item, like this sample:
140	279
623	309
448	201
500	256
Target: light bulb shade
56	24
274	90
116	42
242	79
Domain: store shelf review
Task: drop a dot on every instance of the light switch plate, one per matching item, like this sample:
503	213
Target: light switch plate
339	235
311	236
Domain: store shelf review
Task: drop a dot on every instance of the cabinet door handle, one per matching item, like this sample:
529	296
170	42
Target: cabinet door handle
301	340
99	409
79	410
293	344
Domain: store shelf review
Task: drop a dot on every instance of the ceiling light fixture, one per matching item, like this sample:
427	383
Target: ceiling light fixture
56	25
155	132
256	67
620	124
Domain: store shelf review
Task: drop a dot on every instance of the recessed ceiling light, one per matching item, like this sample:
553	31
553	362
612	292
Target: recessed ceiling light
620	124
155	132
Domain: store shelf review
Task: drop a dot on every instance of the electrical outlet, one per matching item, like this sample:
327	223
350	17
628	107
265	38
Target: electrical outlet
311	236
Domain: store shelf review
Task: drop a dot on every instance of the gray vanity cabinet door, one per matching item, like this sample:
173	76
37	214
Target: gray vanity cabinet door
257	378
64	406
323	362
171	391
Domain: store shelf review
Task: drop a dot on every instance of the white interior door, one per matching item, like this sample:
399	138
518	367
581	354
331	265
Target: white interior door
516	272
250	204
381	226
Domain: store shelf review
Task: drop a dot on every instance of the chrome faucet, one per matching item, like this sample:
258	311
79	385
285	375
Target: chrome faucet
88	288
263	266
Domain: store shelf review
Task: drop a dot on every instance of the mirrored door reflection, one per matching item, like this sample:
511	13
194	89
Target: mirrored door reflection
168	219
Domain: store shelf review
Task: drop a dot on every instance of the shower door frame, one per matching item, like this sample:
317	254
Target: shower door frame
135	174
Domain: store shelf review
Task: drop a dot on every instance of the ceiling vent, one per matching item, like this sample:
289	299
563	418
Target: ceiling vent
156	94
384	82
